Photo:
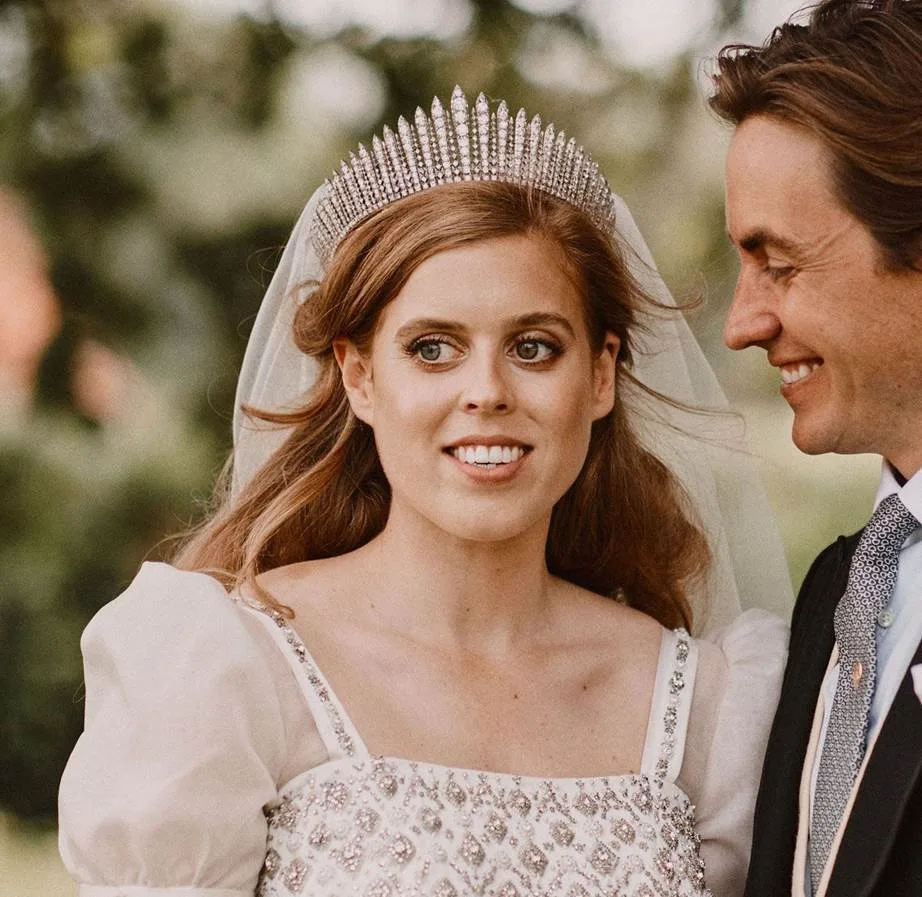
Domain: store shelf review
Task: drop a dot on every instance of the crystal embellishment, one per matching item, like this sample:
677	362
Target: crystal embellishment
671	715
386	827
453	146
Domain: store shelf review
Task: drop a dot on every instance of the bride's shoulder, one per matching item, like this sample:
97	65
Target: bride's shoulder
612	626
168	616
160	590
190	725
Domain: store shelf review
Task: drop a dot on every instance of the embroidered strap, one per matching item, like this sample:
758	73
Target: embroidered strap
670	708
144	891
340	737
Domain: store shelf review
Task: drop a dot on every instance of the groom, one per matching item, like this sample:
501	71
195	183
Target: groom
824	206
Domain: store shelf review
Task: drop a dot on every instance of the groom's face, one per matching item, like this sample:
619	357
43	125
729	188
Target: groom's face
844	332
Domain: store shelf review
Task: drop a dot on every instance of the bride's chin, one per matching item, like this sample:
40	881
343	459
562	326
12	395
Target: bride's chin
486	526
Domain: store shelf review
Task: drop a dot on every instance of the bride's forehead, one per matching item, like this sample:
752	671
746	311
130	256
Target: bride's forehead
486	282
496	271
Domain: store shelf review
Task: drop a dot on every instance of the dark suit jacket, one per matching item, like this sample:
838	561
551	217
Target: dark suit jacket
881	850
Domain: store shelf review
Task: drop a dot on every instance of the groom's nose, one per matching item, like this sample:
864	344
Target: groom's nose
752	319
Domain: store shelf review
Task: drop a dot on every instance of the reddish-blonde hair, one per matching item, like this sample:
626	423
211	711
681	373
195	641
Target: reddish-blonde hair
623	527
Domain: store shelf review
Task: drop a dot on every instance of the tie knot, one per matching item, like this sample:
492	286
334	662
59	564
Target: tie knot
890	526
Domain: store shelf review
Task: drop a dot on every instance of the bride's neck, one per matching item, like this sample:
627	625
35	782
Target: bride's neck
459	591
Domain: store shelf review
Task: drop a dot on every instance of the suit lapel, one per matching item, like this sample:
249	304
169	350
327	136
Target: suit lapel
812	639
894	767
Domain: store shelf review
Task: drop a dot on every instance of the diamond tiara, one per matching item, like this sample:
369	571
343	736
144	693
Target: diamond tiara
463	144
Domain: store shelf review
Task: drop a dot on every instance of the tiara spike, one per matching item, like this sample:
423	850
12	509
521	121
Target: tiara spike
334	213
483	132
518	146
440	126
460	116
567	166
397	166
454	145
579	174
410	154
387	192
427	173
366	170
547	154
502	136
585	176
348	189
534	148
342	190
555	176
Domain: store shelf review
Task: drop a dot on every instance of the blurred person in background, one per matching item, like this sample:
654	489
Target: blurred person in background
824	205
29	313
434	637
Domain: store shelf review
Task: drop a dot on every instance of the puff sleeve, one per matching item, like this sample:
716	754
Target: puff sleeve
736	691
184	739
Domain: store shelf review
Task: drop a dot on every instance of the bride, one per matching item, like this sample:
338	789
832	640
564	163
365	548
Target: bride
433	639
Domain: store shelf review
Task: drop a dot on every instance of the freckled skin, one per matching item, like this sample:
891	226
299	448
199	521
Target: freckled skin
483	387
465	612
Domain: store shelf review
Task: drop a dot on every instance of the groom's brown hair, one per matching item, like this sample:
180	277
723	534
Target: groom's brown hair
852	77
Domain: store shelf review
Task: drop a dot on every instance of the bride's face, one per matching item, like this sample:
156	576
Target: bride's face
481	387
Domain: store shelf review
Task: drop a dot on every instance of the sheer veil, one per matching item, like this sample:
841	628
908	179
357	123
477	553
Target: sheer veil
710	460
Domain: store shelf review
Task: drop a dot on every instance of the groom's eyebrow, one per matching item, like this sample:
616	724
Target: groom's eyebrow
762	239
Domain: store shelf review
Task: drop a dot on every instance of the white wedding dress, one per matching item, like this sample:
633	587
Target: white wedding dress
189	780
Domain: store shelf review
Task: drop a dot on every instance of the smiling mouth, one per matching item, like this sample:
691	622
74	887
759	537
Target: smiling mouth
488	457
794	373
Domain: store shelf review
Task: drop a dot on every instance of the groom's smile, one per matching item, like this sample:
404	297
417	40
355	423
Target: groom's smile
815	292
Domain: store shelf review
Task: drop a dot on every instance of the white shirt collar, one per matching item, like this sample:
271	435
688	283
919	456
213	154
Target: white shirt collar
910	494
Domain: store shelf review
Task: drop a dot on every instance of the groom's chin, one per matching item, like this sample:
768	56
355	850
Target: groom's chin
818	434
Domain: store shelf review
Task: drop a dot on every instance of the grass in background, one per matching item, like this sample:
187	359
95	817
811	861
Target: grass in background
29	863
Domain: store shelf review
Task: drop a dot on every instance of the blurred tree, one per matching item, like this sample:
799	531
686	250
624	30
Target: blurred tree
85	498
163	155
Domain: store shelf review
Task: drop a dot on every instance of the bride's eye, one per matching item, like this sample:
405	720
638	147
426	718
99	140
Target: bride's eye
535	350
431	350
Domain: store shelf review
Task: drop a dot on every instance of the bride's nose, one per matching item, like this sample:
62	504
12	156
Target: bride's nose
487	387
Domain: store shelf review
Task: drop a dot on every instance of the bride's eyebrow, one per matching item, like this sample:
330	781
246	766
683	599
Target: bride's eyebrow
420	325
522	322
543	319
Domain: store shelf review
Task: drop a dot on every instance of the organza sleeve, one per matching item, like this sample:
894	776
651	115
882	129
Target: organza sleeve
736	691
183	745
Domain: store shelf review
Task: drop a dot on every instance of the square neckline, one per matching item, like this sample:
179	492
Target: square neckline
664	737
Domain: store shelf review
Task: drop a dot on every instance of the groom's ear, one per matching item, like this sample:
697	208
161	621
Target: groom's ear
358	382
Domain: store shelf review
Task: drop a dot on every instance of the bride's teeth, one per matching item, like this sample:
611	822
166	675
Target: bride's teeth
488	454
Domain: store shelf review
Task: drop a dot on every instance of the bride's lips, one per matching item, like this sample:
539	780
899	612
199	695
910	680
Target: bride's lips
488	458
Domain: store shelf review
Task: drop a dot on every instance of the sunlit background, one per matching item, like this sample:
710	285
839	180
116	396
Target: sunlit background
154	154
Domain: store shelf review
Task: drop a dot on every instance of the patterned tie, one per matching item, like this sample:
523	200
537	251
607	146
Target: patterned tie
870	585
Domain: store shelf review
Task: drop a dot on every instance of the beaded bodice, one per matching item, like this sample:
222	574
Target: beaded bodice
387	827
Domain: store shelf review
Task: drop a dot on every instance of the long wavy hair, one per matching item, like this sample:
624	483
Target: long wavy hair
623	529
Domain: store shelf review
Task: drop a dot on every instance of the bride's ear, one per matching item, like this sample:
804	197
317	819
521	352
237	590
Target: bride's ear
605	368
355	369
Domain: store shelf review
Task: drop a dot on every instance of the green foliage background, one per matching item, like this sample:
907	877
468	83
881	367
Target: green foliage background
164	154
